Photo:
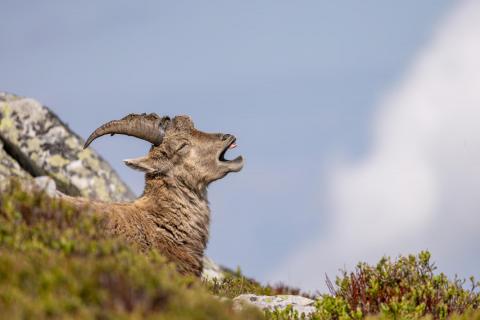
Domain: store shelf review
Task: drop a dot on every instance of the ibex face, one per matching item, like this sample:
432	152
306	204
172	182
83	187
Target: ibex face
179	150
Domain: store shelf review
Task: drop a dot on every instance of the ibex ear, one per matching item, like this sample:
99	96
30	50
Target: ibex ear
144	164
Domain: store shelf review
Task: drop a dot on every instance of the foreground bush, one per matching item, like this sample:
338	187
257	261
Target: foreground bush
407	288
55	262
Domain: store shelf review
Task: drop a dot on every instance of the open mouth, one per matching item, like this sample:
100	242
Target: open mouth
231	144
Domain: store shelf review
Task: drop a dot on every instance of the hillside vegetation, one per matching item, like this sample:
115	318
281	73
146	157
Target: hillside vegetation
55	262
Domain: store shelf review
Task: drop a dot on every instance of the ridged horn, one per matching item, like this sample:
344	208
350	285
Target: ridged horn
144	126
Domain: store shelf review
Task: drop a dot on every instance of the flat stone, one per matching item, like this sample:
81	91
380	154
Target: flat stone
298	303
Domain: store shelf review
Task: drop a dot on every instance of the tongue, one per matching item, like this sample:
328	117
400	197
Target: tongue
233	145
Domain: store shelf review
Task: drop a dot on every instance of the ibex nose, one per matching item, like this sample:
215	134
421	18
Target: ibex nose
225	137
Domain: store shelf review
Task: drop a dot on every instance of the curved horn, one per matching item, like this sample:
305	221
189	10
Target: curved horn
143	126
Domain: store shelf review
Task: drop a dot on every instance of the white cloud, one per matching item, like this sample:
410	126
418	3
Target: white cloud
419	185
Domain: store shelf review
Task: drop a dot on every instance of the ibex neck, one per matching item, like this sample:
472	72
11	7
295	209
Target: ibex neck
181	213
175	187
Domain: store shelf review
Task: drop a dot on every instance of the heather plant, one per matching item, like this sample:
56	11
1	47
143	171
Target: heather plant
407	288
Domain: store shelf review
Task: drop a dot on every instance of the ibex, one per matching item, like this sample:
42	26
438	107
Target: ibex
172	215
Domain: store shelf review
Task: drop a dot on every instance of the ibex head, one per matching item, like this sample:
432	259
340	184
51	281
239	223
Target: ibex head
178	149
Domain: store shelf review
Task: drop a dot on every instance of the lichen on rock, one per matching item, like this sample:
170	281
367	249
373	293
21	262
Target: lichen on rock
45	146
10	168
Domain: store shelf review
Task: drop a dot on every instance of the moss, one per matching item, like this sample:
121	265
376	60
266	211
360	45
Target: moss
55	262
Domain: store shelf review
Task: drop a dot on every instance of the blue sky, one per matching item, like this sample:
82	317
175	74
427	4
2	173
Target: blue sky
299	83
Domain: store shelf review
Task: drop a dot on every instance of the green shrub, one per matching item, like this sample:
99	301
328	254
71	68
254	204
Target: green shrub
407	288
55	262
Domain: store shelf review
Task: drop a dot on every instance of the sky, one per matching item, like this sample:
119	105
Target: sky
356	119
417	186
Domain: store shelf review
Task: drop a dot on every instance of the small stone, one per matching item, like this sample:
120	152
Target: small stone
298	303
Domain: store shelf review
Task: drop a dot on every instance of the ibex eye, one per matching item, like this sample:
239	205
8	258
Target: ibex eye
182	146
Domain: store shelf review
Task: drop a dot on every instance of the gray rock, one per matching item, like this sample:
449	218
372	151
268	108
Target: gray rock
44	146
298	303
9	167
47	185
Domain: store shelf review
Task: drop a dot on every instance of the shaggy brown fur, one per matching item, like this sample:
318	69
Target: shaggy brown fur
172	215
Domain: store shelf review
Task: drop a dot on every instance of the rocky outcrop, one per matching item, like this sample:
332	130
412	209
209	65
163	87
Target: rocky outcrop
45	146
